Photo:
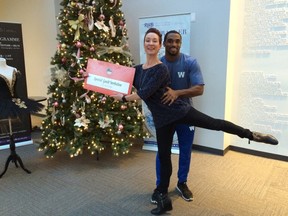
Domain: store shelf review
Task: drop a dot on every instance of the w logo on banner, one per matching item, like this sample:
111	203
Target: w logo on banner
181	74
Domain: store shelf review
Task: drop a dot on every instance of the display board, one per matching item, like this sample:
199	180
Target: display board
11	49
178	22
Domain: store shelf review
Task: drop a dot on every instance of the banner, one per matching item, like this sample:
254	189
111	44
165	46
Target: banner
180	23
11	49
108	78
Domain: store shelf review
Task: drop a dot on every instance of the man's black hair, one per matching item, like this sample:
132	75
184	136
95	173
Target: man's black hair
170	32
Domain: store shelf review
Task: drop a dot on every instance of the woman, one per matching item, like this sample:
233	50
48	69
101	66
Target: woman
151	81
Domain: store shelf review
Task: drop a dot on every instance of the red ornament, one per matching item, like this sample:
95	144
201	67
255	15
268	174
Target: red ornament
101	17
78	44
121	23
56	104
120	127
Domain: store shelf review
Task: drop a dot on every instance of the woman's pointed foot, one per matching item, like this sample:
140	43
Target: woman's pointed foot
264	138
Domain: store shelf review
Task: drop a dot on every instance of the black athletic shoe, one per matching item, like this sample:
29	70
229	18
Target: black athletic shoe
184	191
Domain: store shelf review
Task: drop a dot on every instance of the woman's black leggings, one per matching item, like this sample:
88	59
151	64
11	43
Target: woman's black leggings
194	118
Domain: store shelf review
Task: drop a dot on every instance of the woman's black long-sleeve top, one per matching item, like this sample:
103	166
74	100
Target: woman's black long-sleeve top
151	84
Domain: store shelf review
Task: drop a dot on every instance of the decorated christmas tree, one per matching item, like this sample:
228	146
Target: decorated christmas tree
78	119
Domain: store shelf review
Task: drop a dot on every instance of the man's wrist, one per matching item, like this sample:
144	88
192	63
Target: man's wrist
124	99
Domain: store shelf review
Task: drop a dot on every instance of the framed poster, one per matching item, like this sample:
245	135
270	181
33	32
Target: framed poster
11	49
178	22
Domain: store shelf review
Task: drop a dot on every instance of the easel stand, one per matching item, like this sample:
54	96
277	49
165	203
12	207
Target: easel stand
13	156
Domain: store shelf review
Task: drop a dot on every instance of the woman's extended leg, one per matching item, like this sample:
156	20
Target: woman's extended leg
199	119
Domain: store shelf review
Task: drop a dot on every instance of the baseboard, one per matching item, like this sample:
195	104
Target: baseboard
239	149
210	150
17	144
258	153
42	115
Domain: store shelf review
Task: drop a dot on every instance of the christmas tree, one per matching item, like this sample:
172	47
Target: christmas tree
78	119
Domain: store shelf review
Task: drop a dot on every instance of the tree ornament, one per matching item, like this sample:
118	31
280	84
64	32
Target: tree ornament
90	19
79	5
120	127
123	49
82	121
58	48
121	23
113	1
78	44
101	17
88	99
59	75
123	107
55	104
63	98
101	25
63	120
104	123
77	25
103	100
112	26
78	55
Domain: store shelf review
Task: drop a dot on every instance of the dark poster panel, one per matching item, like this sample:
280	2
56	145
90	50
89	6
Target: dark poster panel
11	49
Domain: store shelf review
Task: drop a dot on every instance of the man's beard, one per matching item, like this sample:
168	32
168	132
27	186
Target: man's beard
174	53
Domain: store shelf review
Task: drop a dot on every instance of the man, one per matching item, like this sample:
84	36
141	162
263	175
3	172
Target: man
187	82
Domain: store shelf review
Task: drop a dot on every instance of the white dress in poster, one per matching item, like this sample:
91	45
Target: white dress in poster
180	23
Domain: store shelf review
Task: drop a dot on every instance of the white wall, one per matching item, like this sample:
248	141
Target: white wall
258	54
39	36
209	44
